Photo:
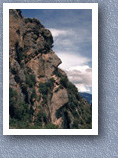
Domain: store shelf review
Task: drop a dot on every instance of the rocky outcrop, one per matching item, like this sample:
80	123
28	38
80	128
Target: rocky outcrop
41	95
58	100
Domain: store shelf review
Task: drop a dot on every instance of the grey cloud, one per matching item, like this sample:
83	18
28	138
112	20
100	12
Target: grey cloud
82	79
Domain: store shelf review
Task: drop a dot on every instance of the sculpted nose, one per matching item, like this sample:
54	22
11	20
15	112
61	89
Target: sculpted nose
55	60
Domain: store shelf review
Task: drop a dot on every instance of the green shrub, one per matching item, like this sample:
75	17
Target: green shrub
39	98
59	113
30	79
17	79
44	99
13	122
13	71
21	111
66	119
41	116
43	88
33	95
37	124
31	111
57	73
19	52
64	81
17	109
13	97
50	83
51	126
12	92
75	124
28	20
24	89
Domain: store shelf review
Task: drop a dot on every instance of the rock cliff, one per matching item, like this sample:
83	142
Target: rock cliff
41	95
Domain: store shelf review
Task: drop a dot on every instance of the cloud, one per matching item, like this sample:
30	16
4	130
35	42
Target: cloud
83	88
81	76
57	32
69	60
77	69
72	40
75	35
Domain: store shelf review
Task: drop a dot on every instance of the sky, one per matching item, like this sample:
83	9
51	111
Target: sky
72	34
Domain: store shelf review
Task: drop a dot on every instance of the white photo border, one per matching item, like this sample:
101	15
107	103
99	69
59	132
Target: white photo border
6	7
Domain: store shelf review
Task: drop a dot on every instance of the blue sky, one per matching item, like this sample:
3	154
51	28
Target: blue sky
72	33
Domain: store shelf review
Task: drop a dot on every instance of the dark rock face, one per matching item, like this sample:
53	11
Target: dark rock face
41	95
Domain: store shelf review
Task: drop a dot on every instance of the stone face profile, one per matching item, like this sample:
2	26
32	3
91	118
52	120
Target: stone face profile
41	96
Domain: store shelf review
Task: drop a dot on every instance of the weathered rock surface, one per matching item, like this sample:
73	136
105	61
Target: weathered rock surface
57	101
